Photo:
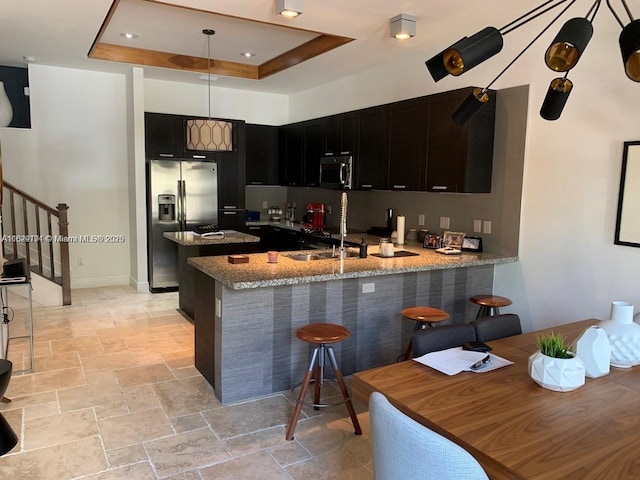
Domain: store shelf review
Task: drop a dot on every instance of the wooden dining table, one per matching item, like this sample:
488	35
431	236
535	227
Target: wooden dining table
515	428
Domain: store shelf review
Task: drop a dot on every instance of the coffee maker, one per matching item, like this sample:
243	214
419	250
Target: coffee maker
313	219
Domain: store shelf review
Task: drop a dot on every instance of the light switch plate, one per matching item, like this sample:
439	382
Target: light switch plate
477	226
444	222
265	204
218	307
487	226
421	220
368	287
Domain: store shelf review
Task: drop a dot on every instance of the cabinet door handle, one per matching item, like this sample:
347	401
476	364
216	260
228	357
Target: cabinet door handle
199	156
439	187
166	155
399	187
366	186
229	213
230	207
256	183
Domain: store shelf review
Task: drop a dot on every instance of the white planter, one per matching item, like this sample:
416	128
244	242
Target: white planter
557	374
593	348
624	335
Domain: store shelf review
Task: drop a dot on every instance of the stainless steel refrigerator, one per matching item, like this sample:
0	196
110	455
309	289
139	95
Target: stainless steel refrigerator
181	194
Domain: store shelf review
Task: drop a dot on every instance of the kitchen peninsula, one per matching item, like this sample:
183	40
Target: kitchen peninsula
191	244
246	314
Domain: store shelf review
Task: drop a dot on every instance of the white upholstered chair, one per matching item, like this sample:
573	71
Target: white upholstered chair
402	449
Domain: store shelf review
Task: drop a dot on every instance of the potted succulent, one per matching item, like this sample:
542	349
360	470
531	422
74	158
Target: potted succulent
554	366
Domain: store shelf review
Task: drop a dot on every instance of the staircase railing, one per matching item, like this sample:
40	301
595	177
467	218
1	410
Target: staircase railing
30	233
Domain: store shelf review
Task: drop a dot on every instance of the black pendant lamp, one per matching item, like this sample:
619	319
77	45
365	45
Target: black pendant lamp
566	48
471	105
556	98
465	54
630	48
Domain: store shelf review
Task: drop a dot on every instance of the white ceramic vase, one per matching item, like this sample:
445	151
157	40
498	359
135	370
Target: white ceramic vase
594	349
557	374
624	335
6	110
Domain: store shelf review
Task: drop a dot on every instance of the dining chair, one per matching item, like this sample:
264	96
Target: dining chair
496	326
442	337
402	449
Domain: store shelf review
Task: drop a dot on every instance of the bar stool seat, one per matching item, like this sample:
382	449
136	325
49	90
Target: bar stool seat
424	317
489	304
322	335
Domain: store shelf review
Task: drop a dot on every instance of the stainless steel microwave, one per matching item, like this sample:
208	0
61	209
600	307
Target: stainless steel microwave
336	172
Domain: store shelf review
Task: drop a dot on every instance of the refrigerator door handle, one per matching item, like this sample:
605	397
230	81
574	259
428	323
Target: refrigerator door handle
183	225
179	215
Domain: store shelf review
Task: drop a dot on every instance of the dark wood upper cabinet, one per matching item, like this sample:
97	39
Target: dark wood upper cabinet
407	144
459	158
372	159
291	145
262	154
314	149
164	135
342	133
232	173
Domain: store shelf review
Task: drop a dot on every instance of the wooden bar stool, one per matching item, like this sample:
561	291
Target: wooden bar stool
489	304
322	334
423	316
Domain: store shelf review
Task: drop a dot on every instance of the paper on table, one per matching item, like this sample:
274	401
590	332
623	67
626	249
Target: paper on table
455	360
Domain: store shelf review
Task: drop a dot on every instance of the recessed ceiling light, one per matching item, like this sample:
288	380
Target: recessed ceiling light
206	77
248	54
128	36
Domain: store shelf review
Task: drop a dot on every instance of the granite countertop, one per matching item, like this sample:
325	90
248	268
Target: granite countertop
287	271
189	239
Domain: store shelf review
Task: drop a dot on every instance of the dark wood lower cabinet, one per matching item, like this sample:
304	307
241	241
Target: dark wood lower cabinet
187	274
205	325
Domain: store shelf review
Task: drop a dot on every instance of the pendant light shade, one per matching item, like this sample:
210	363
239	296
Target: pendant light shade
462	56
435	65
630	48
566	48
209	135
556	98
471	105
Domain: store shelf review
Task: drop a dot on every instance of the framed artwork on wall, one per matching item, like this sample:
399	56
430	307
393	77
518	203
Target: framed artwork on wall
15	111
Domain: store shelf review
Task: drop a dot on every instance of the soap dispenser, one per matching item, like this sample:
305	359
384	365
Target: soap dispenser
363	248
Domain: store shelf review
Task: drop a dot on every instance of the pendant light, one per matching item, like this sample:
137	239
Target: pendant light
209	135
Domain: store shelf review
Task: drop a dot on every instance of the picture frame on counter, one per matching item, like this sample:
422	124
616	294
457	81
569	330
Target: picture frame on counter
472	244
452	239
432	240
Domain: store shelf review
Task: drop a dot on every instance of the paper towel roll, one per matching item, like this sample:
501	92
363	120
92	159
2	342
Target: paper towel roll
400	229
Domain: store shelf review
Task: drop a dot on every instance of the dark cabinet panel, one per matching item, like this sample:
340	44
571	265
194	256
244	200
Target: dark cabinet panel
407	141
314	148
459	158
342	133
291	154
262	154
373	148
281	239
232	172
164	135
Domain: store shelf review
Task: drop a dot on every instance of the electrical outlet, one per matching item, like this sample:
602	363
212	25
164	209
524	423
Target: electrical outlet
80	261
218	307
265	204
368	287
328	209
487	226
477	226
444	222
421	220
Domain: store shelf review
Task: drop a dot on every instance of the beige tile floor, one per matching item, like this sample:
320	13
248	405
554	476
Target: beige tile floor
114	395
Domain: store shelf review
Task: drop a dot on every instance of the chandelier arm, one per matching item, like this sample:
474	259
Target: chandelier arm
509	28
209	73
613	12
594	8
529	45
626	7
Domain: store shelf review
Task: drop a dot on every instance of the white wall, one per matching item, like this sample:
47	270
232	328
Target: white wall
76	153
569	268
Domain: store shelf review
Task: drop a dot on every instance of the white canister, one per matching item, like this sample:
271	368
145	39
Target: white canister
594	349
624	335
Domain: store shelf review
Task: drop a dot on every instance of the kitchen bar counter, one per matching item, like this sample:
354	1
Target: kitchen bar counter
246	314
259	273
193	245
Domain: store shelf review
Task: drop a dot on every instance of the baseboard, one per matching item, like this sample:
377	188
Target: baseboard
139	287
92	282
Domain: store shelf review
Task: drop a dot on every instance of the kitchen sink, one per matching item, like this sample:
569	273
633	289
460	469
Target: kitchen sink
324	255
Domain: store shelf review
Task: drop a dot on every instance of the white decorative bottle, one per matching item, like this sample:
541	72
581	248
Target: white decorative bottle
593	348
624	335
6	110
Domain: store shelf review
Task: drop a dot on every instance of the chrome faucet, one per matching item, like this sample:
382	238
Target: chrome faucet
343	223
